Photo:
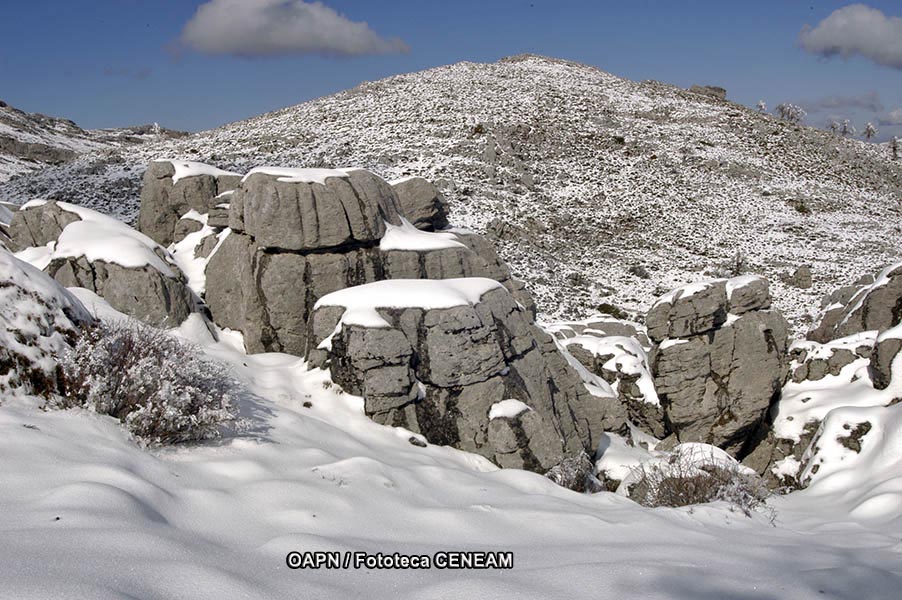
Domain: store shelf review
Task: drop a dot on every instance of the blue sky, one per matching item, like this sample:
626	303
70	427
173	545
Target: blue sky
110	63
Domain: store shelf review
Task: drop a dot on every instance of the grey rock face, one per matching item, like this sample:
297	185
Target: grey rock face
717	382
438	372
143	293
38	225
875	306
163	202
421	203
301	216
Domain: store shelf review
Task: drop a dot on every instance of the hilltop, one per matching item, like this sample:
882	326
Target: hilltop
596	189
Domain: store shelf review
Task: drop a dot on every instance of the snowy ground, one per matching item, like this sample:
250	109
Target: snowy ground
85	512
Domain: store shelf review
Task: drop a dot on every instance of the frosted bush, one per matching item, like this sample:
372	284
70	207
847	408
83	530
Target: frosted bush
163	390
690	476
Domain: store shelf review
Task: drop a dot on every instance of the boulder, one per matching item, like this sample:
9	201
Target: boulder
460	362
421	203
704	306
39	321
172	188
129	270
38	223
717	372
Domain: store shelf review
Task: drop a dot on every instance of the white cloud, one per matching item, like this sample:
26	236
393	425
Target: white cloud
869	101
859	30
253	28
893	117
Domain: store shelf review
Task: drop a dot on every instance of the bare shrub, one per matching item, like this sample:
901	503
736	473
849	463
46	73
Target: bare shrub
690	476
162	389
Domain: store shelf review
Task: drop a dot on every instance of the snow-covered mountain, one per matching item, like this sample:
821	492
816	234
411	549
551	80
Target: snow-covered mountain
596	189
31	141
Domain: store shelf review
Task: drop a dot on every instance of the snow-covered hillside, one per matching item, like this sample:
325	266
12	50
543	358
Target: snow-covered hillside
32	141
597	189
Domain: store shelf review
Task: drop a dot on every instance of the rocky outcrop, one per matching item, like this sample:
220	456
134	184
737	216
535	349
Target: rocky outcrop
313	209
421	203
718	359
874	304
39	321
82	248
284	254
460	362
713	91
622	362
172	188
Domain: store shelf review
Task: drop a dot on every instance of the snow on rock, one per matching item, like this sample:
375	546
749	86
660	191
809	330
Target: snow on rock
866	306
507	409
190	168
39	320
361	302
408	237
172	189
622	362
289	175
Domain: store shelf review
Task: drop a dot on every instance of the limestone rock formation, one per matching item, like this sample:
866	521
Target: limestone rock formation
421	203
172	188
283	254
82	248
460	362
622	362
718	361
874	304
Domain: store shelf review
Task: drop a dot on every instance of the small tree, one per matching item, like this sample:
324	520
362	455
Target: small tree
869	131
762	107
791	112
848	128
834	126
